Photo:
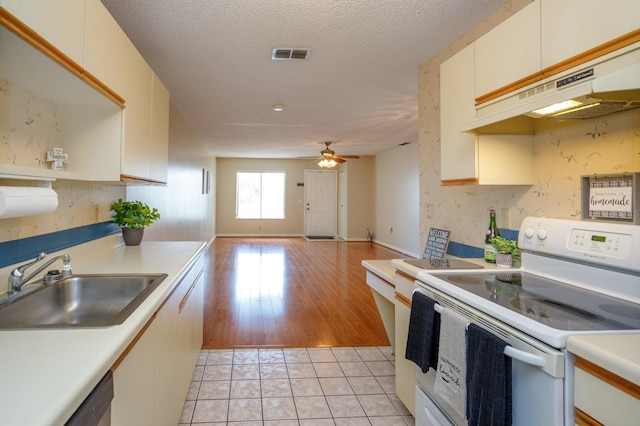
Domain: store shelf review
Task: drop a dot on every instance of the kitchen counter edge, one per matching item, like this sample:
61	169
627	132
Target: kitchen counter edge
617	353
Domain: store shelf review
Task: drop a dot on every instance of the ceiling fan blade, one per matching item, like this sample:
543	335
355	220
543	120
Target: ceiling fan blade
339	160
353	157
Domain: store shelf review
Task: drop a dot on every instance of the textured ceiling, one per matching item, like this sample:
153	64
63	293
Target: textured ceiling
359	86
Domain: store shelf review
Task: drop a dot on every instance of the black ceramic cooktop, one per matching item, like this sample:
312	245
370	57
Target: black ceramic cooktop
554	303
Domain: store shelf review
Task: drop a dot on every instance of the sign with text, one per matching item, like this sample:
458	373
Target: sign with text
437	242
611	198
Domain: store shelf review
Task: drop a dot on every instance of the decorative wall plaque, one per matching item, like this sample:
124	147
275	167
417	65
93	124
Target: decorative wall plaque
612	197
437	242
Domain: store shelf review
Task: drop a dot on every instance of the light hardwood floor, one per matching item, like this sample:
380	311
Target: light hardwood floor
289	292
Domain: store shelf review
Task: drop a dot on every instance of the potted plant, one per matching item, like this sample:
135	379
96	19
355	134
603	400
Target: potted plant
507	251
133	217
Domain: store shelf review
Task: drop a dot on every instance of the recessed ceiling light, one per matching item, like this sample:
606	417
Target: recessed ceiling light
278	108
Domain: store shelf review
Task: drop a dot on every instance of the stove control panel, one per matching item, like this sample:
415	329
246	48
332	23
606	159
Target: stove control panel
609	244
603	243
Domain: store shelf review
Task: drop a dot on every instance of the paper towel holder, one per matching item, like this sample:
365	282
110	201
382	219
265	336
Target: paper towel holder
20	201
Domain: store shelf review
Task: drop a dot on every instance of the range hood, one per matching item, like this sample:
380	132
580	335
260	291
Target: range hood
598	88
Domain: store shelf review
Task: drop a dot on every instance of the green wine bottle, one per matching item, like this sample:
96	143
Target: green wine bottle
492	232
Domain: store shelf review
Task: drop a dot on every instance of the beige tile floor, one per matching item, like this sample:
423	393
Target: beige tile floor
306	386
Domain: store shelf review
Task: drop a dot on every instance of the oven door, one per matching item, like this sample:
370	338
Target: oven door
537	381
427	412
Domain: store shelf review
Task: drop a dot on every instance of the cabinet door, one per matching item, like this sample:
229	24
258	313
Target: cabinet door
106	47
570	27
509	52
177	354
60	22
137	147
133	399
159	152
604	397
457	106
405	369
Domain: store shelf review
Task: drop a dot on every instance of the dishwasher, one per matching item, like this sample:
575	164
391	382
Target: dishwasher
95	410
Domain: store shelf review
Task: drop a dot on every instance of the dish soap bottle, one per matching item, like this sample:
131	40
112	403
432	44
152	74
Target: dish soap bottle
492	232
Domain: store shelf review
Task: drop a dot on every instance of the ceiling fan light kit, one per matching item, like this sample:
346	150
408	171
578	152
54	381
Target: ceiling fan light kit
327	163
329	159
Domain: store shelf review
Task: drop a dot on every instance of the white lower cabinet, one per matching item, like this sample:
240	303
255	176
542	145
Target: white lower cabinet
133	378
152	381
405	369
603	398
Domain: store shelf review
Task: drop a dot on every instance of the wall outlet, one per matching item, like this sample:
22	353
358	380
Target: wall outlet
95	211
505	218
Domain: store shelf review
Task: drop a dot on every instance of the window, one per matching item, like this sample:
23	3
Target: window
260	195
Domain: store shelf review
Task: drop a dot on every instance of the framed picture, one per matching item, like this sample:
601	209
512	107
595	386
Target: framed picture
612	197
206	181
437	243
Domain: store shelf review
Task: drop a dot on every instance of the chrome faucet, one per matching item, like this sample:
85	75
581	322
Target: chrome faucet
16	277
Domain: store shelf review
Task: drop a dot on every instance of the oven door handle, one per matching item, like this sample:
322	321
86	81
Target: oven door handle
511	352
526	357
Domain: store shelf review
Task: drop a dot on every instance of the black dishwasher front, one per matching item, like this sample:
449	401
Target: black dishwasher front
95	410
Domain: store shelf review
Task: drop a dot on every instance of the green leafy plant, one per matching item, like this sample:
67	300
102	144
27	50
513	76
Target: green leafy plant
133	214
504	246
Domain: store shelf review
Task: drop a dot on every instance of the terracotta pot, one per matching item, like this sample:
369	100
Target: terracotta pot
132	236
504	260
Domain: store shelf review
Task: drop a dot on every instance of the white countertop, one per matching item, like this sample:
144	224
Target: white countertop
46	374
381	268
618	353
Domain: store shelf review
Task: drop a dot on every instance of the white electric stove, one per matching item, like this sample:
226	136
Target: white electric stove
577	277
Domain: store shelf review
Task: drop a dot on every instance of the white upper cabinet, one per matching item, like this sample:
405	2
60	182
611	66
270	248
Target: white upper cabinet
571	27
159	151
115	60
475	159
509	51
137	116
105	141
59	22
107	47
458	150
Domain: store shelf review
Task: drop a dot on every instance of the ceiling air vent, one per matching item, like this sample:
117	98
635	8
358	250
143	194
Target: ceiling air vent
288	54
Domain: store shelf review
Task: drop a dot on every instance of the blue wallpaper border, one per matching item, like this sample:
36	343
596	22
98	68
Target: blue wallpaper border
464	250
28	248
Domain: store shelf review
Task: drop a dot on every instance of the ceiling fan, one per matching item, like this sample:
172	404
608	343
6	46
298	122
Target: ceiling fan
328	157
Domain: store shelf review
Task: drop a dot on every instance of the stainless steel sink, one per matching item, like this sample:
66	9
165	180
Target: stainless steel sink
79	301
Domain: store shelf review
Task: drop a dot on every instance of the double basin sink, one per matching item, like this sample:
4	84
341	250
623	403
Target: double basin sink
78	301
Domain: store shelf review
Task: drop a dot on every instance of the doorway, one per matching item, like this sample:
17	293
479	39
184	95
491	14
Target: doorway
320	203
342	205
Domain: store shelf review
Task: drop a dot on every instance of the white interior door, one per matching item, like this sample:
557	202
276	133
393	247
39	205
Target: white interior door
342	205
320	203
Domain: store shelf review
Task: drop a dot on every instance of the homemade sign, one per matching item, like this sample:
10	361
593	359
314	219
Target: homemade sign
610	197
437	242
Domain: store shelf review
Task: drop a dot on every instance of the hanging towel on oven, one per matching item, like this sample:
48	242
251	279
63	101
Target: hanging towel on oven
451	382
488	379
424	328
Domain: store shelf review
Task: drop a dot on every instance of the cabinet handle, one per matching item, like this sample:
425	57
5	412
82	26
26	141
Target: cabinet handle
186	296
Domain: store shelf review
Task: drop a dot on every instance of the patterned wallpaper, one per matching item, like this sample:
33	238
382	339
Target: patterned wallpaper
28	129
607	145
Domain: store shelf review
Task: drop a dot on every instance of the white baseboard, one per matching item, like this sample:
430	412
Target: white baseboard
401	250
260	236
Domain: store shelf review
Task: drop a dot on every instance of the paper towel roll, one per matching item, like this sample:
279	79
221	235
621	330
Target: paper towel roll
17	201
